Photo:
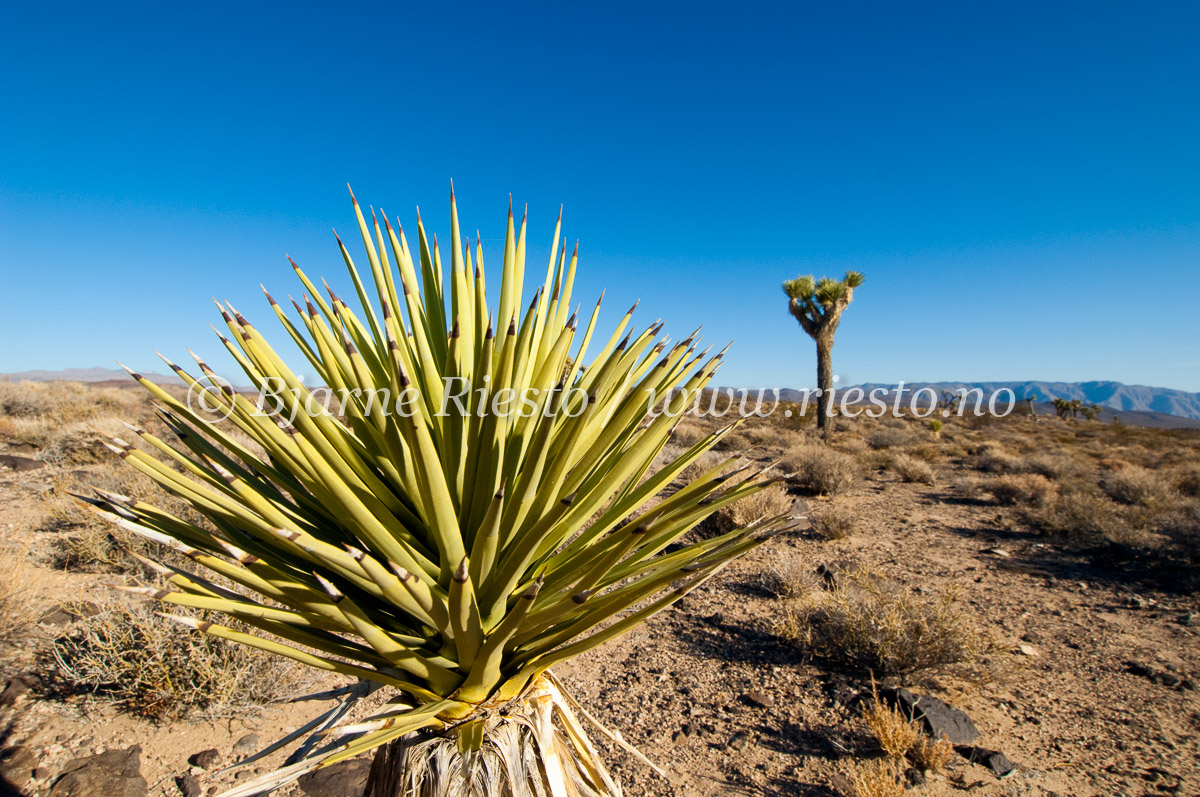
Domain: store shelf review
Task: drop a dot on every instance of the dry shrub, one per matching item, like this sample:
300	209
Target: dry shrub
895	733
878	778
1186	479
688	432
931	755
1057	466
1138	486
769	502
822	470
1182	526
1079	514
787	577
703	464
1027	489
868	623
18	579
910	469
889	437
160	669
834	521
968	487
928	452
992	458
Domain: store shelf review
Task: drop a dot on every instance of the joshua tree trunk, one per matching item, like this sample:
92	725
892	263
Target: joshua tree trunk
824	379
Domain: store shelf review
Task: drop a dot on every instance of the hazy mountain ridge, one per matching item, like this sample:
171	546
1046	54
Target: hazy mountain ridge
90	375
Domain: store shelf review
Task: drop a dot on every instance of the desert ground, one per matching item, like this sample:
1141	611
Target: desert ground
1038	574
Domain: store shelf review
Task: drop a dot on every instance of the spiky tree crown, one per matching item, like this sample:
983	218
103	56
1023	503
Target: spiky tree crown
456	550
818	304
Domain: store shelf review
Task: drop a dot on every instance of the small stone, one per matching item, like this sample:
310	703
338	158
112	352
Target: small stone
345	777
994	760
914	776
246	745
206	759
1000	552
188	785
116	773
739	741
759	698
1028	650
17	764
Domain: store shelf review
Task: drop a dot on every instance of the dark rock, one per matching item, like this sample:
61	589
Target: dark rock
714	619
994	760
17	764
188	785
18	464
759	698
338	780
206	759
938	718
246	745
116	773
17	686
914	776
739	741
1140	668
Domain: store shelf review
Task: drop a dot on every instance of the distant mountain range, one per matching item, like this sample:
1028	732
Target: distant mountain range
1113	395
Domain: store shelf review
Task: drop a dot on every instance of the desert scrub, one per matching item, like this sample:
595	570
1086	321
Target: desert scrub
879	778
18	580
931	755
786	577
1080	514
889	437
1056	466
1026	489
1138	486
910	469
993	458
868	623
833	521
821	470
770	502
893	732
126	654
1186	479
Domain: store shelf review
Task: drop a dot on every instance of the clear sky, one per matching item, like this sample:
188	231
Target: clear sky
1020	183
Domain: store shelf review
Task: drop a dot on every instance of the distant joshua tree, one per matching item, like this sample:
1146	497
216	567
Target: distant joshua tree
818	306
1090	412
1032	397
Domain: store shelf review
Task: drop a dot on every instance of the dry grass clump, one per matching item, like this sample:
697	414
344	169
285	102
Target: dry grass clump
834	521
18	579
1138	486
879	778
688	432
821	470
765	503
931	755
787	577
1186	479
1056	465
911	469
1081	514
993	458
968	487
868	623
159	669
895	733
64	421
889	437
1027	489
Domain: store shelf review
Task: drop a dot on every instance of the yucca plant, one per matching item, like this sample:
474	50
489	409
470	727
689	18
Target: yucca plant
481	507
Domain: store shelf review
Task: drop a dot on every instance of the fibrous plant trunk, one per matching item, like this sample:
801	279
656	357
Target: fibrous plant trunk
824	379
533	746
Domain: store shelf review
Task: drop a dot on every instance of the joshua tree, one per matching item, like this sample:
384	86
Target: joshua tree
439	539
818	306
1032	397
1090	412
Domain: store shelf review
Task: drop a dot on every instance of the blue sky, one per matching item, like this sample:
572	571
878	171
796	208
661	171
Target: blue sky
1020	183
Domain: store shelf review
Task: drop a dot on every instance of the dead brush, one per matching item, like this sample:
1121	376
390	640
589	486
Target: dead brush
770	502
880	778
911	470
821	470
1139	486
894	733
866	622
834	521
787	577
1027	489
1081	513
931	755
18	583
126	653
